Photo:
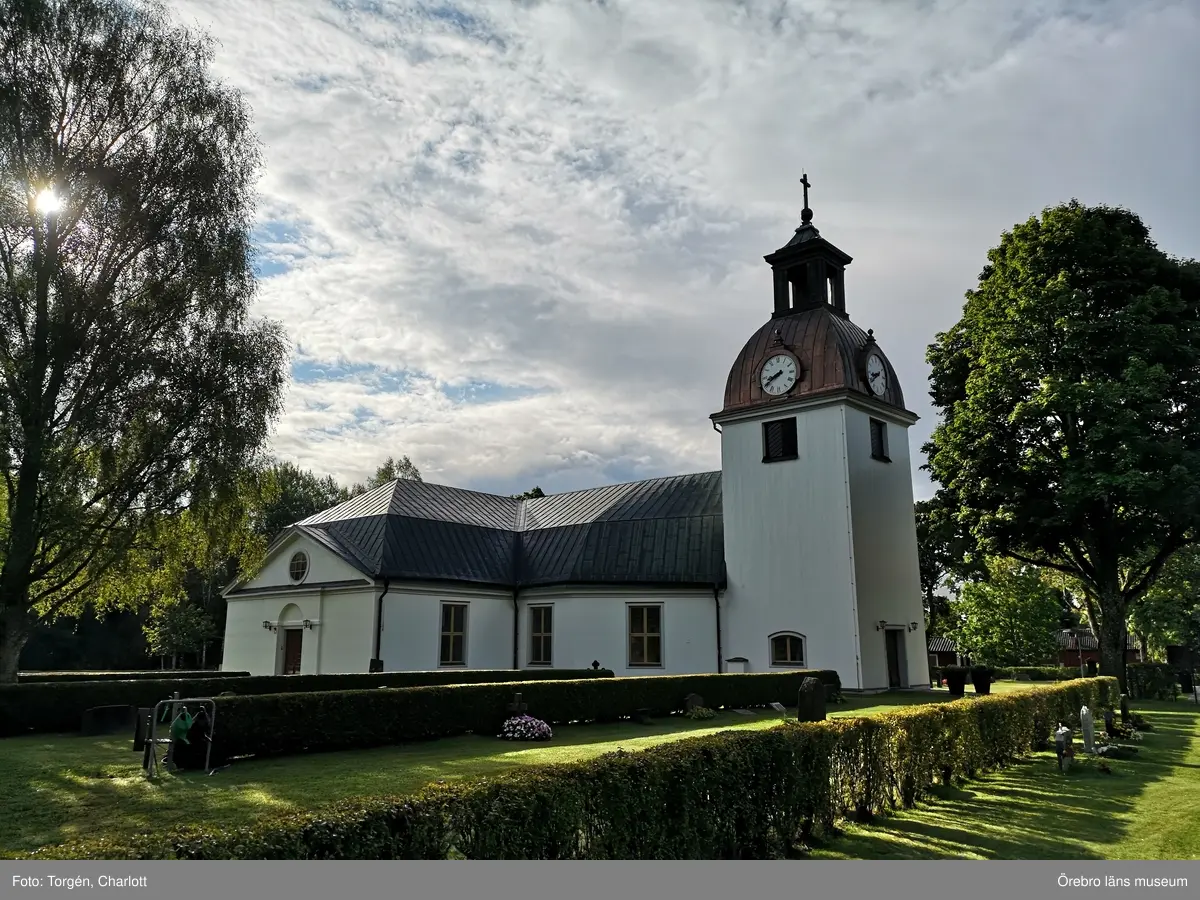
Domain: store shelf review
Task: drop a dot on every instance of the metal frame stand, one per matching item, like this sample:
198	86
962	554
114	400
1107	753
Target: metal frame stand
154	740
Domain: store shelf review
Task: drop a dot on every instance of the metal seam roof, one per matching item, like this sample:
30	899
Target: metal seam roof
664	530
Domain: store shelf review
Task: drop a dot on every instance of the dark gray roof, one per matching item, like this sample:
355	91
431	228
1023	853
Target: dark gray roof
661	531
940	645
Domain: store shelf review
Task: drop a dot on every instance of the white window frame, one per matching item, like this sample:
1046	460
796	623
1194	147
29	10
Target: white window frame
307	566
662	646
549	664
803	664
466	608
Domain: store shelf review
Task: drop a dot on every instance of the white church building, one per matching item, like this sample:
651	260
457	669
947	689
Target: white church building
800	552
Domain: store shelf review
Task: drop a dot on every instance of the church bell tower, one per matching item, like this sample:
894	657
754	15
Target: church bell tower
820	535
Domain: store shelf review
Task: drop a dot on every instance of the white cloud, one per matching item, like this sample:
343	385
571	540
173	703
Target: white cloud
575	197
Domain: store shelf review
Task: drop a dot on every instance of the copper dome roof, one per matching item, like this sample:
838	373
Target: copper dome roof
831	351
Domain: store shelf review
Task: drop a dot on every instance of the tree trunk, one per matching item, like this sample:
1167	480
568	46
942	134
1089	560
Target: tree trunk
14	632
1112	634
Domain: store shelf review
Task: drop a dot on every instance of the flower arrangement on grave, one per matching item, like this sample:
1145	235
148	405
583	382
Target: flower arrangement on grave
526	728
700	712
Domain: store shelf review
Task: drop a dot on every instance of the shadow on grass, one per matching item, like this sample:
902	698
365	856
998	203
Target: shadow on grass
1030	810
56	788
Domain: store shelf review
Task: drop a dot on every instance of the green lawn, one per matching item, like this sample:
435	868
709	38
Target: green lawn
53	788
1148	808
57	787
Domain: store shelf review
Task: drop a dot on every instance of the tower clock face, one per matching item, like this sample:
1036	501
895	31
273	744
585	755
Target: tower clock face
779	375
877	379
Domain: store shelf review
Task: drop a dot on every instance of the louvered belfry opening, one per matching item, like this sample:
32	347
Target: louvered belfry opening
809	272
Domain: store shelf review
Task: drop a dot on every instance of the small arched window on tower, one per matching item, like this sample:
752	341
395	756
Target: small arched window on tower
788	649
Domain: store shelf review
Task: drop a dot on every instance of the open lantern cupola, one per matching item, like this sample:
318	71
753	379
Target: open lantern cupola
809	271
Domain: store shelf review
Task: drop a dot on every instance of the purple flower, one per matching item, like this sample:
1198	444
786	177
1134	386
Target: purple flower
526	728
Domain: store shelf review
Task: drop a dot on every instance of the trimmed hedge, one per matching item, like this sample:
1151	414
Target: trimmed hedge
1038	673
146	674
737	794
59	706
1151	681
284	724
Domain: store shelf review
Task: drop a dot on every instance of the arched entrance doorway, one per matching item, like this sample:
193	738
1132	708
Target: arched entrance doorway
290	653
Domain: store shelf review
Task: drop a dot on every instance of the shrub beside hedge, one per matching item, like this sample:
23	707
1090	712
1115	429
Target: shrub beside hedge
1038	673
284	724
59	706
1151	681
147	674
745	794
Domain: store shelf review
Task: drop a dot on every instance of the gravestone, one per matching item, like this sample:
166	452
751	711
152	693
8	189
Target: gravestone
778	707
1124	709
1062	741
693	701
1110	725
141	732
810	704
517	707
1088	724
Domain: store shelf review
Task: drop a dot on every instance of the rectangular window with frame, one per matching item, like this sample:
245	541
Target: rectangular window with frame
454	635
779	440
541	635
879	441
645	636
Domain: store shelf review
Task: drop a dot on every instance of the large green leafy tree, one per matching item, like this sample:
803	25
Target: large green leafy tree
1070	401
177	566
133	375
947	556
1169	614
1009	620
294	494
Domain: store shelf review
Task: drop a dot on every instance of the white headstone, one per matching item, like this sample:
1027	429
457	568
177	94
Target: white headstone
1089	730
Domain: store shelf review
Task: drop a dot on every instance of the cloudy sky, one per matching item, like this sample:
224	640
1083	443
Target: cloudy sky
521	242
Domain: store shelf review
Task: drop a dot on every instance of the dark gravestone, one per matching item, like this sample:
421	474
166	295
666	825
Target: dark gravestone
141	731
693	701
517	707
1124	709
810	704
1110	725
108	720
643	716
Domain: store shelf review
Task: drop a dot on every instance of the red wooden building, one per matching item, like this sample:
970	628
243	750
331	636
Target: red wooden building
1077	649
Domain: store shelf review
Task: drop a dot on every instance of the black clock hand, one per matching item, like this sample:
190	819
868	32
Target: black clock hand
773	377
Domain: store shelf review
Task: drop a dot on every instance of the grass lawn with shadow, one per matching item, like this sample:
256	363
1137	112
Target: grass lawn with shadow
55	788
1147	808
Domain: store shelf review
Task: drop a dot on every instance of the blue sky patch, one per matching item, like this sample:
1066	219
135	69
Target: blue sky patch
275	245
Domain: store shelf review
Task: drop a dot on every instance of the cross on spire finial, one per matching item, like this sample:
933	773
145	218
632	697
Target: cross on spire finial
806	214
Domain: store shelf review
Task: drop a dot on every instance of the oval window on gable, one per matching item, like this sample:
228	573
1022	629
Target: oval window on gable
298	567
